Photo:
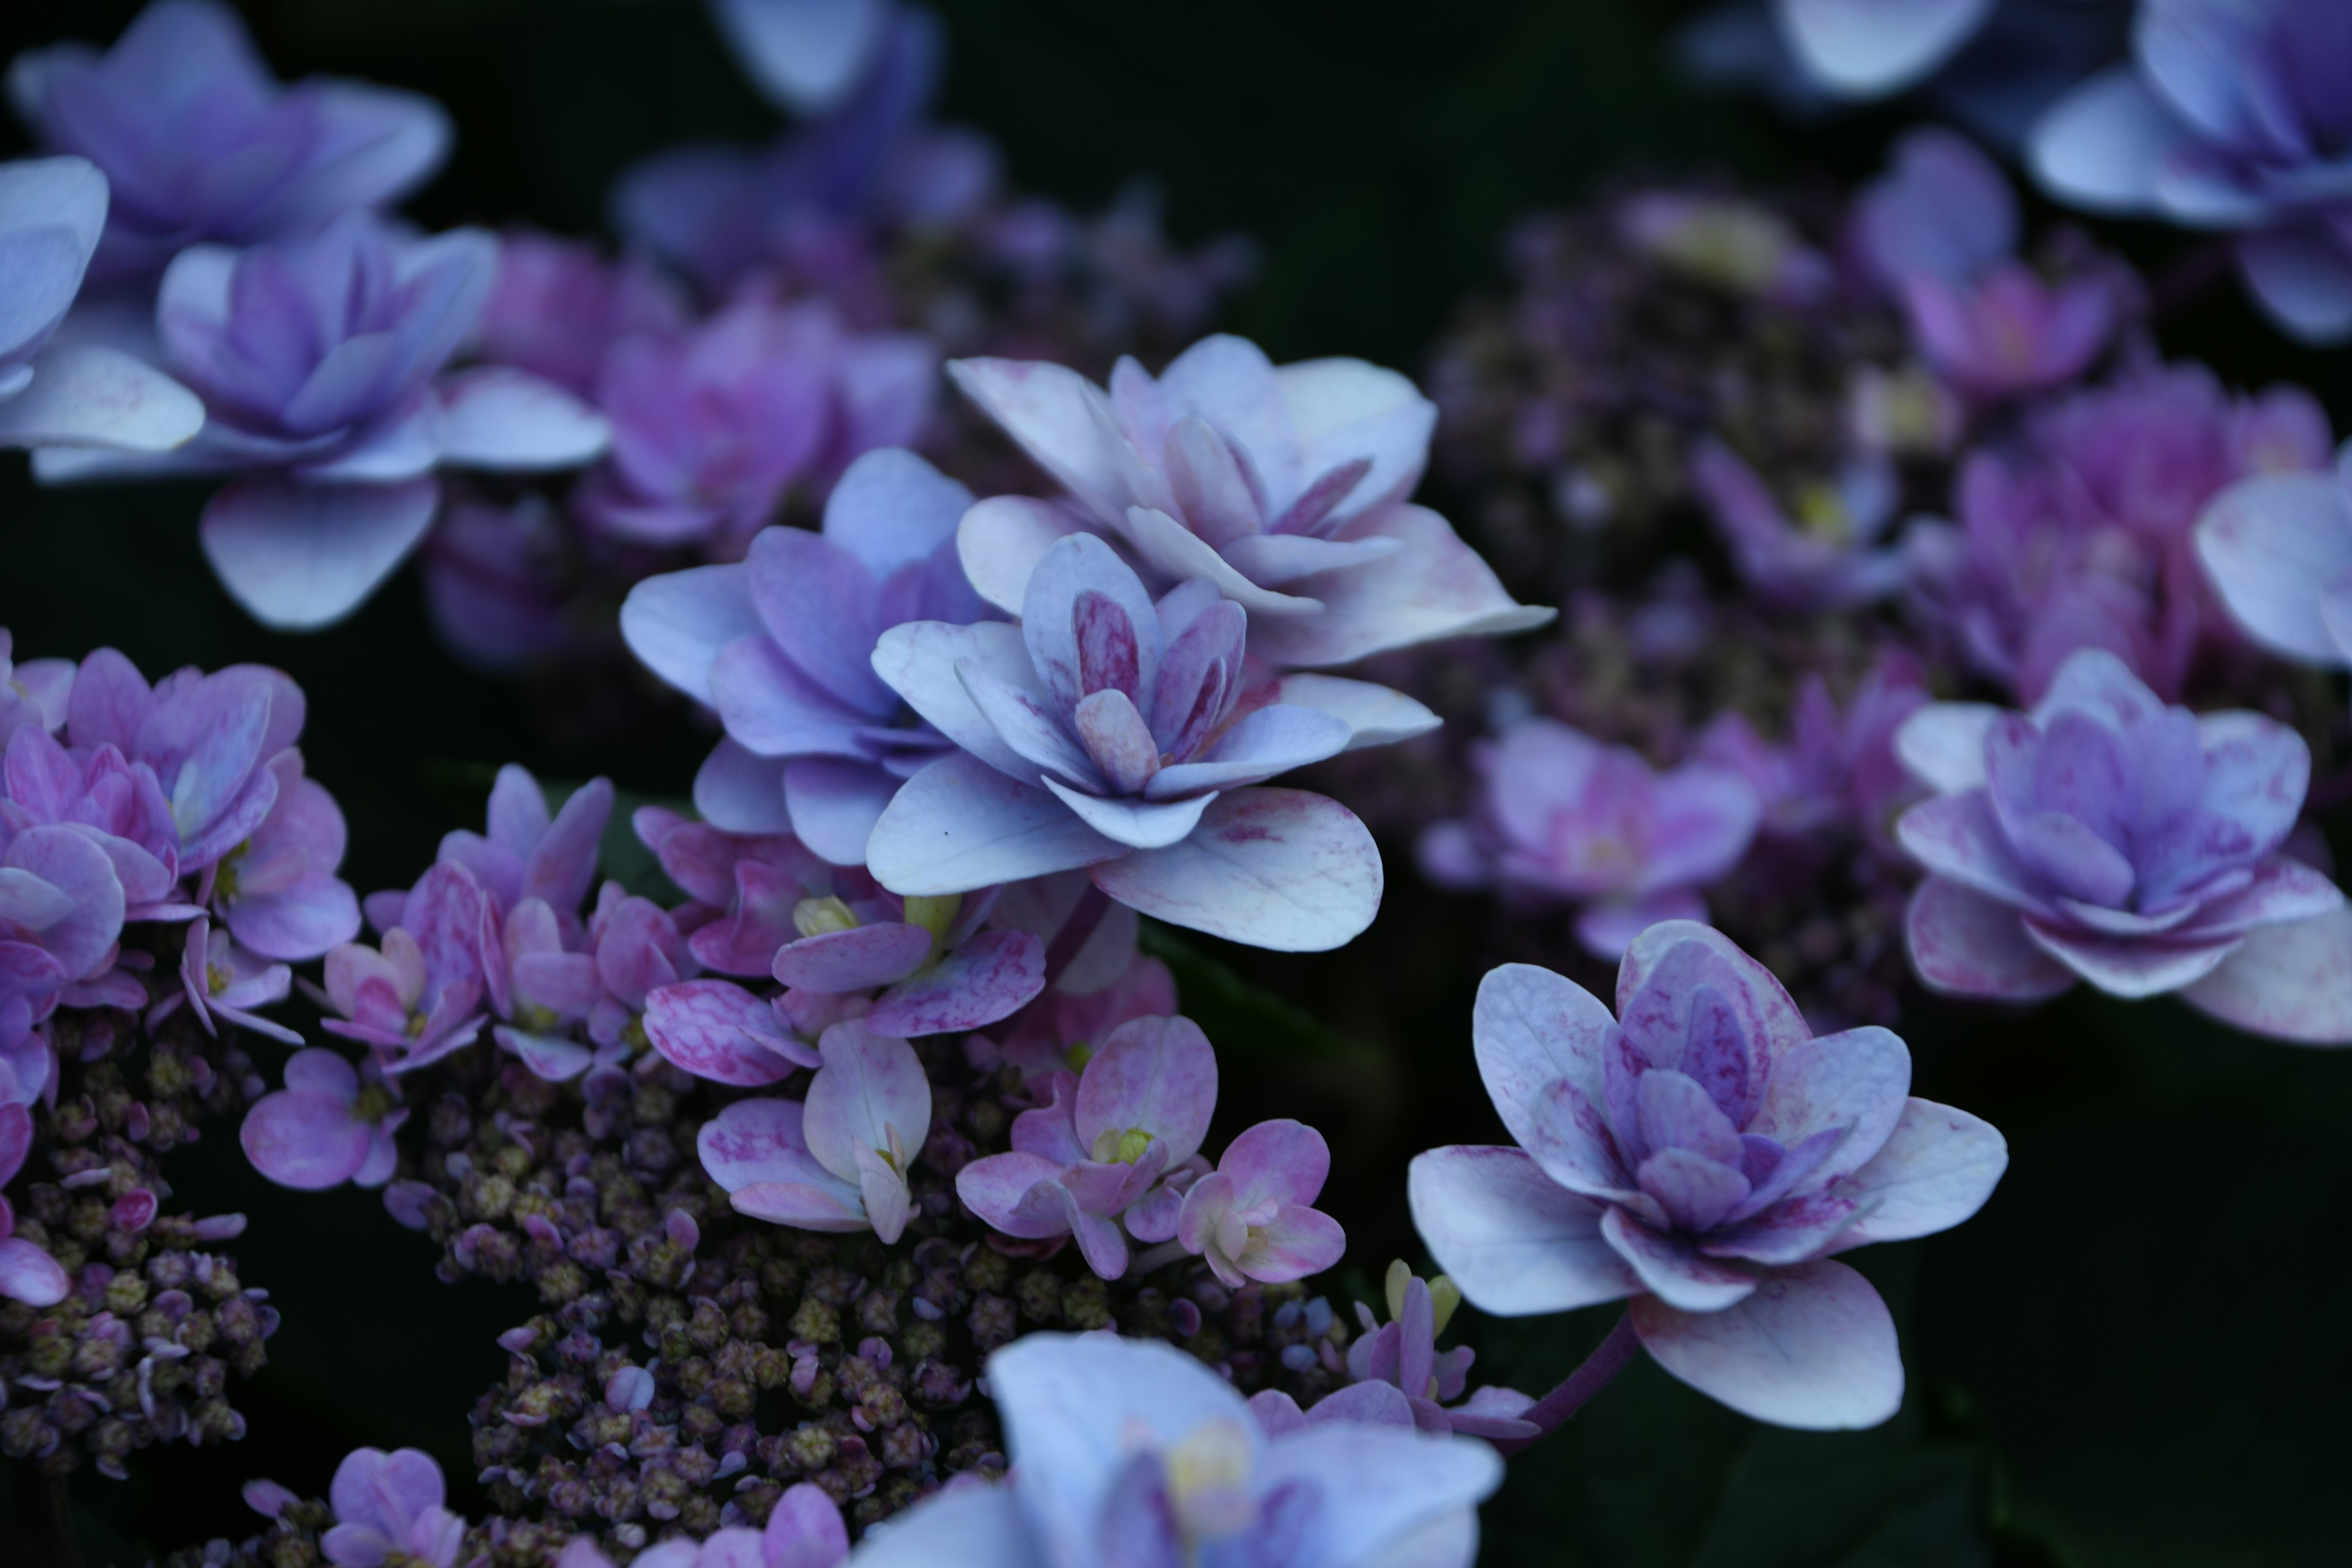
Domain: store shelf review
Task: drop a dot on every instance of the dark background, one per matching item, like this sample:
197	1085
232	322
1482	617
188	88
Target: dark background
2140	1353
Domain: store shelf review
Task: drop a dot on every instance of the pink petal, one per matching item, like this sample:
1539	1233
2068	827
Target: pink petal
1156	1075
854	960
993	976
717	1030
305	1139
1963	943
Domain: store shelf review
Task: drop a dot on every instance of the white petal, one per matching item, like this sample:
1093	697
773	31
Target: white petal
299	557
1376	715
999	540
677	623
1276	869
2270	544
960	825
510	420
1812	1347
86	395
2289	981
1514	1240
1942	745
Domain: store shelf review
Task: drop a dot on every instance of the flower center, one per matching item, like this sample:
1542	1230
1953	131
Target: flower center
1115	1147
822	917
1208	1484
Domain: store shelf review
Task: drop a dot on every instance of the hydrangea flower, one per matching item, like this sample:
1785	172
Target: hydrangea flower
221	979
52	212
1939	231
1821	560
417	998
806	54
781	645
2228	116
319	360
1137	1114
1836	768
805	1529
1253	1217
1728	244
1402	1353
838	1159
28	1273
330	1125
202	144
33	692
1129	1451
2277	549
711	426
2108	837
1284	487
1109	733
1703	1154
1062	1030
1561	817
62	910
391	1506
558	307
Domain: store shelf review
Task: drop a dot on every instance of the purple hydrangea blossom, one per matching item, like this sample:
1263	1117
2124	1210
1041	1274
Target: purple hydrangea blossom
1062	1031
62	910
713	426
221	979
1282	486
1939	232
2229	116
2277	549
1402	1353
33	692
320	362
417	998
1836	768
781	645
2082	536
202	144
805	1529
391	1506
1253	1217
68	393
2108	837
1110	732
1561	817
28	1273
1135	1116
1129	1451
332	1123
838	1159
1821	560
558	307
806	54
1704	1154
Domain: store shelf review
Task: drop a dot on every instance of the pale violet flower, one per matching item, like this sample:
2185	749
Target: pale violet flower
2277	549
332	1123
1285	487
1130	1452
838	1160
807	56
1111	733
1402	1353
391	1506
1703	1154
2106	836
1253	1217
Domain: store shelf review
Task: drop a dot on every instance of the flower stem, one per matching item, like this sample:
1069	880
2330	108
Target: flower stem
1076	927
1154	1259
1552	1411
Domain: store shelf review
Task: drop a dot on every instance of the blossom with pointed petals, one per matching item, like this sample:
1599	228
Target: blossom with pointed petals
1253	1217
417	998
527	853
838	1159
391	1506
805	1529
1824	558
1135	1116
1110	732
320	359
781	645
712	427
1129	1451
1836	768
28	1273
1559	816
1402	1353
1284	488
2083	535
221	980
1939	232
2228	116
558	306
1703	1154
70	394
332	1123
2105	836
202	144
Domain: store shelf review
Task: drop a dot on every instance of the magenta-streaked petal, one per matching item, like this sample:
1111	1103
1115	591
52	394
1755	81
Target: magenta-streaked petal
1297	1242
1515	1242
1662	972
2122	966
2289	981
300	557
1671	1269
994	1186
1958	837
1857	1080
870	1095
1276	869
854	960
1963	943
1529	1029
1156	1075
758	1139
717	1030
1812	1347
990	977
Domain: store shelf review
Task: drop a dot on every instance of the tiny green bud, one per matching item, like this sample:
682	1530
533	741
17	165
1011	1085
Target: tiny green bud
1400	1276
934	915
822	917
1444	1295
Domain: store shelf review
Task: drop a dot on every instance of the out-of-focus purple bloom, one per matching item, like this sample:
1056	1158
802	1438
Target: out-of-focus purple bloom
390	1505
1136	1114
317	358
1939	231
2110	839
1559	816
220	978
558	307
2277	549
330	1125
2082	537
417	998
33	692
711	426
1836	768
28	1273
1402	1353
496	580
1733	245
1131	1452
201	144
1110	732
781	646
805	55
1704	1154
1252	1218
1283	486
1821	560
69	394
838	1160
2229	116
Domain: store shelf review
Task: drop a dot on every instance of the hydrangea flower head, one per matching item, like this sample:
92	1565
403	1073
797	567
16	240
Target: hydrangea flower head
2106	836
1703	1154
1127	1451
1284	487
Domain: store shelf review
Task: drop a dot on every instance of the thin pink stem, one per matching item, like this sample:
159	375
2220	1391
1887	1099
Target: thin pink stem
1550	1413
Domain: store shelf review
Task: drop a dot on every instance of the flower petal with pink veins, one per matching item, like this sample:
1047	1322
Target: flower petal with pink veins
1813	1347
1963	943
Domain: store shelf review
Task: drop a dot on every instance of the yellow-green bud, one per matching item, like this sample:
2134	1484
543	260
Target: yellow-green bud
1400	1276
822	917
1444	1295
